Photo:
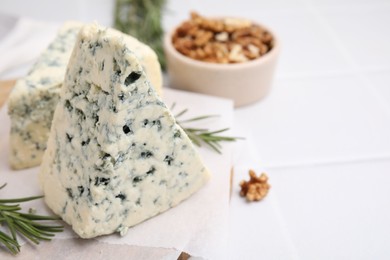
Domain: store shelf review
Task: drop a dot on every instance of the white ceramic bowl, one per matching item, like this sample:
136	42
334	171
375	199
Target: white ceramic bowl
244	83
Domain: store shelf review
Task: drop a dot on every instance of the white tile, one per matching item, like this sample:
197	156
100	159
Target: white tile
363	32
306	48
381	82
336	212
328	3
317	120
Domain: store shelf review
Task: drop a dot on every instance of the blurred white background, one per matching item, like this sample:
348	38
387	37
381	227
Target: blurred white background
59	11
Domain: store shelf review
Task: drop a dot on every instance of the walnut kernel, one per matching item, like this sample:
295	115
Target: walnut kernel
256	188
228	40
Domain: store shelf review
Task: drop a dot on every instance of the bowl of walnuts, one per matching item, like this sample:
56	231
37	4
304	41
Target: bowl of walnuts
227	57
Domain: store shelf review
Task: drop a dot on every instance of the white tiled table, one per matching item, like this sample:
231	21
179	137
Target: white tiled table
322	135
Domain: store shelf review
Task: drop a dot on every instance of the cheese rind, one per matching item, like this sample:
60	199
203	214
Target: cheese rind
115	155
33	100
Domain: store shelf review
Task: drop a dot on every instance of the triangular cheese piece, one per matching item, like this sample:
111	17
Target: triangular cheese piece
115	155
34	98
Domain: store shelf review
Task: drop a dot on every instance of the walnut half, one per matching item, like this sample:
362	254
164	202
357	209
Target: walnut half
256	188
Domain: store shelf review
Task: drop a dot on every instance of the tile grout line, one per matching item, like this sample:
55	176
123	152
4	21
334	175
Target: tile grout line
319	163
284	229
345	5
330	73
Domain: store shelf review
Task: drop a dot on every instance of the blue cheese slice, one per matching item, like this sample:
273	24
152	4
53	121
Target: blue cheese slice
32	101
34	98
115	155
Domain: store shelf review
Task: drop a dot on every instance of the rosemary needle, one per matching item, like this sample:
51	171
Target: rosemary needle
24	224
202	135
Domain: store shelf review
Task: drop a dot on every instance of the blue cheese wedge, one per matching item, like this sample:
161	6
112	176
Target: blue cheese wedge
32	101
34	98
115	155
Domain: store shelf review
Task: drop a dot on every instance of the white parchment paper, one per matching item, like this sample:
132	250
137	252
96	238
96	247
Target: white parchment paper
198	226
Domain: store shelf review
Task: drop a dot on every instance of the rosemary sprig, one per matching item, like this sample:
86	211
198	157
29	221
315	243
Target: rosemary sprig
142	19
203	135
24	224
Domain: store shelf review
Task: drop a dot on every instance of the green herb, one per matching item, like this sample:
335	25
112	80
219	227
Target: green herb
142	19
202	135
24	224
